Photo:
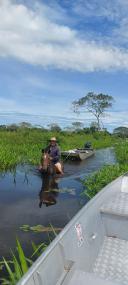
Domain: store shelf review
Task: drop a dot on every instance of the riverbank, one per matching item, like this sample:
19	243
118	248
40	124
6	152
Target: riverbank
94	183
24	145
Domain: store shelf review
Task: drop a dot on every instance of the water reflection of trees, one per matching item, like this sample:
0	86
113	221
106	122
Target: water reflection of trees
48	195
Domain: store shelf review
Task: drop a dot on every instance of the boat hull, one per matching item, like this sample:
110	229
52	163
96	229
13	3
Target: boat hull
79	154
93	248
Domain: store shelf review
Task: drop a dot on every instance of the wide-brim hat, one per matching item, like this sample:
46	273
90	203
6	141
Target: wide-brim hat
53	139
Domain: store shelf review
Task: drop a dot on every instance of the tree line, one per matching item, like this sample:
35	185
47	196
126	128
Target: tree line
95	104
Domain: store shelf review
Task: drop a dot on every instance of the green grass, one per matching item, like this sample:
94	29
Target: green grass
24	145
121	151
94	183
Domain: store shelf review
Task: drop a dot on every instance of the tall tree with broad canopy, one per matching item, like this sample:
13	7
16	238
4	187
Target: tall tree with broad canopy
95	104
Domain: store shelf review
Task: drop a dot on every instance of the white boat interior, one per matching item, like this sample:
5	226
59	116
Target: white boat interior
93	248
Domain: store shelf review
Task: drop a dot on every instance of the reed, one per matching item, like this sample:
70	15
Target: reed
19	264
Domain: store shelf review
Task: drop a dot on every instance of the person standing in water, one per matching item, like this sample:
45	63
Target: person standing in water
52	156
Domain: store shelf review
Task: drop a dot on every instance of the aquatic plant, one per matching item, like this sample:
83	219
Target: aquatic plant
121	151
39	228
71	191
19	263
94	183
24	145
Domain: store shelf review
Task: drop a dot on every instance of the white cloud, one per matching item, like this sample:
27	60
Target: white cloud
95	8
34	36
114	11
112	121
117	119
110	9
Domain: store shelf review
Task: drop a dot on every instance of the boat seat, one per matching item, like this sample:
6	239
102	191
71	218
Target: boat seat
84	278
112	261
118	205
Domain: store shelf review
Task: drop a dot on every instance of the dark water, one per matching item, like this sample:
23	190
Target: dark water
23	199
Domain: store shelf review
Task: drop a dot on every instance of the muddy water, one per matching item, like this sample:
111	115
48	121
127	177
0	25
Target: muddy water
24	199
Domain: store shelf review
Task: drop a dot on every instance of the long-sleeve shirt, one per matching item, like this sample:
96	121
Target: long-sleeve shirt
54	152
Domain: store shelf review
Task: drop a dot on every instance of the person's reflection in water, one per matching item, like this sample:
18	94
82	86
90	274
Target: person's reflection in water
48	191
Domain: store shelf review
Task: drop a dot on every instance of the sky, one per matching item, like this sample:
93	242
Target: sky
53	52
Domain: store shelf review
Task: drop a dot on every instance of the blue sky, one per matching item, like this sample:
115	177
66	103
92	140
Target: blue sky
53	52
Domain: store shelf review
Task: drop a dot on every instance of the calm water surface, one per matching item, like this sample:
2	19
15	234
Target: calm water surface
23	199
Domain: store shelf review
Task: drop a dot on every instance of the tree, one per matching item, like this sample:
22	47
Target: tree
69	129
77	126
25	125
93	127
121	131
3	127
95	104
12	127
54	127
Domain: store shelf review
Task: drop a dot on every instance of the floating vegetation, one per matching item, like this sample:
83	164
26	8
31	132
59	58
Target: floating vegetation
40	228
71	191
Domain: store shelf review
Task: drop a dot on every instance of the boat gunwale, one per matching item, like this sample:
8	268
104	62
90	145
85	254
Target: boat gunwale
59	237
77	151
